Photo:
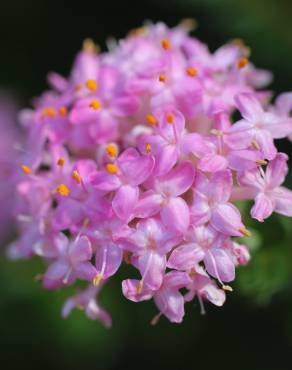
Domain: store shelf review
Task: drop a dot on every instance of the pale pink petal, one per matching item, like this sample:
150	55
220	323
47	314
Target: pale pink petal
177	181
226	219
175	215
80	250
131	291
108	259
105	181
85	271
249	107
185	257
263	207
219	188
266	143
152	267
283	201
243	160
165	160
219	265
148	205
171	303
125	201
277	170
55	274
213	163
240	135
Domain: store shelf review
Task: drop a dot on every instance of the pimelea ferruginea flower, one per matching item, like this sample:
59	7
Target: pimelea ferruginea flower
135	158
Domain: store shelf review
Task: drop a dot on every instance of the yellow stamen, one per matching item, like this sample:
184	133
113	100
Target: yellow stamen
63	190
61	162
89	46
227	288
191	71
216	132
95	104
76	177
78	87
148	148
151	120
261	162
27	170
63	111
91	85
111	168
165	44
139	287
256	145
245	232
162	78
112	150
242	62
169	118
96	281
80	307
188	24
49	112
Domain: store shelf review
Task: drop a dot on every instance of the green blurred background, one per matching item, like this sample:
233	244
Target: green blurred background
254	329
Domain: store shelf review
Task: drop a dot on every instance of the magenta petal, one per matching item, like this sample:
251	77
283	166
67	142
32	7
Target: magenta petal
125	105
243	160
95	312
219	189
213	294
212	163
149	204
263	207
219	265
81	249
175	215
136	170
240	135
249	107
108	259
185	257
131	291
283	201
277	170
125	201
85	271
194	143
165	160
226	219
55	274
171	303
105	181
177	181
176	280
266	143
152	267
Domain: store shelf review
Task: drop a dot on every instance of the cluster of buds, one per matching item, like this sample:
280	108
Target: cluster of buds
135	159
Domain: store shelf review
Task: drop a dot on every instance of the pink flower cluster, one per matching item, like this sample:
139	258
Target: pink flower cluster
135	159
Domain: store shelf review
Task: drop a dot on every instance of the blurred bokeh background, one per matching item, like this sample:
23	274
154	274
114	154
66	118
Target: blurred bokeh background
254	329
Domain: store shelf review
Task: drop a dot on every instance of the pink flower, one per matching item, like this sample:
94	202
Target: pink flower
72	262
136	159
86	300
257	126
150	243
165	197
210	204
270	195
167	298
130	170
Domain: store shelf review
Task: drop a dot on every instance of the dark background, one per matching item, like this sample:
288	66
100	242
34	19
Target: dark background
254	329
